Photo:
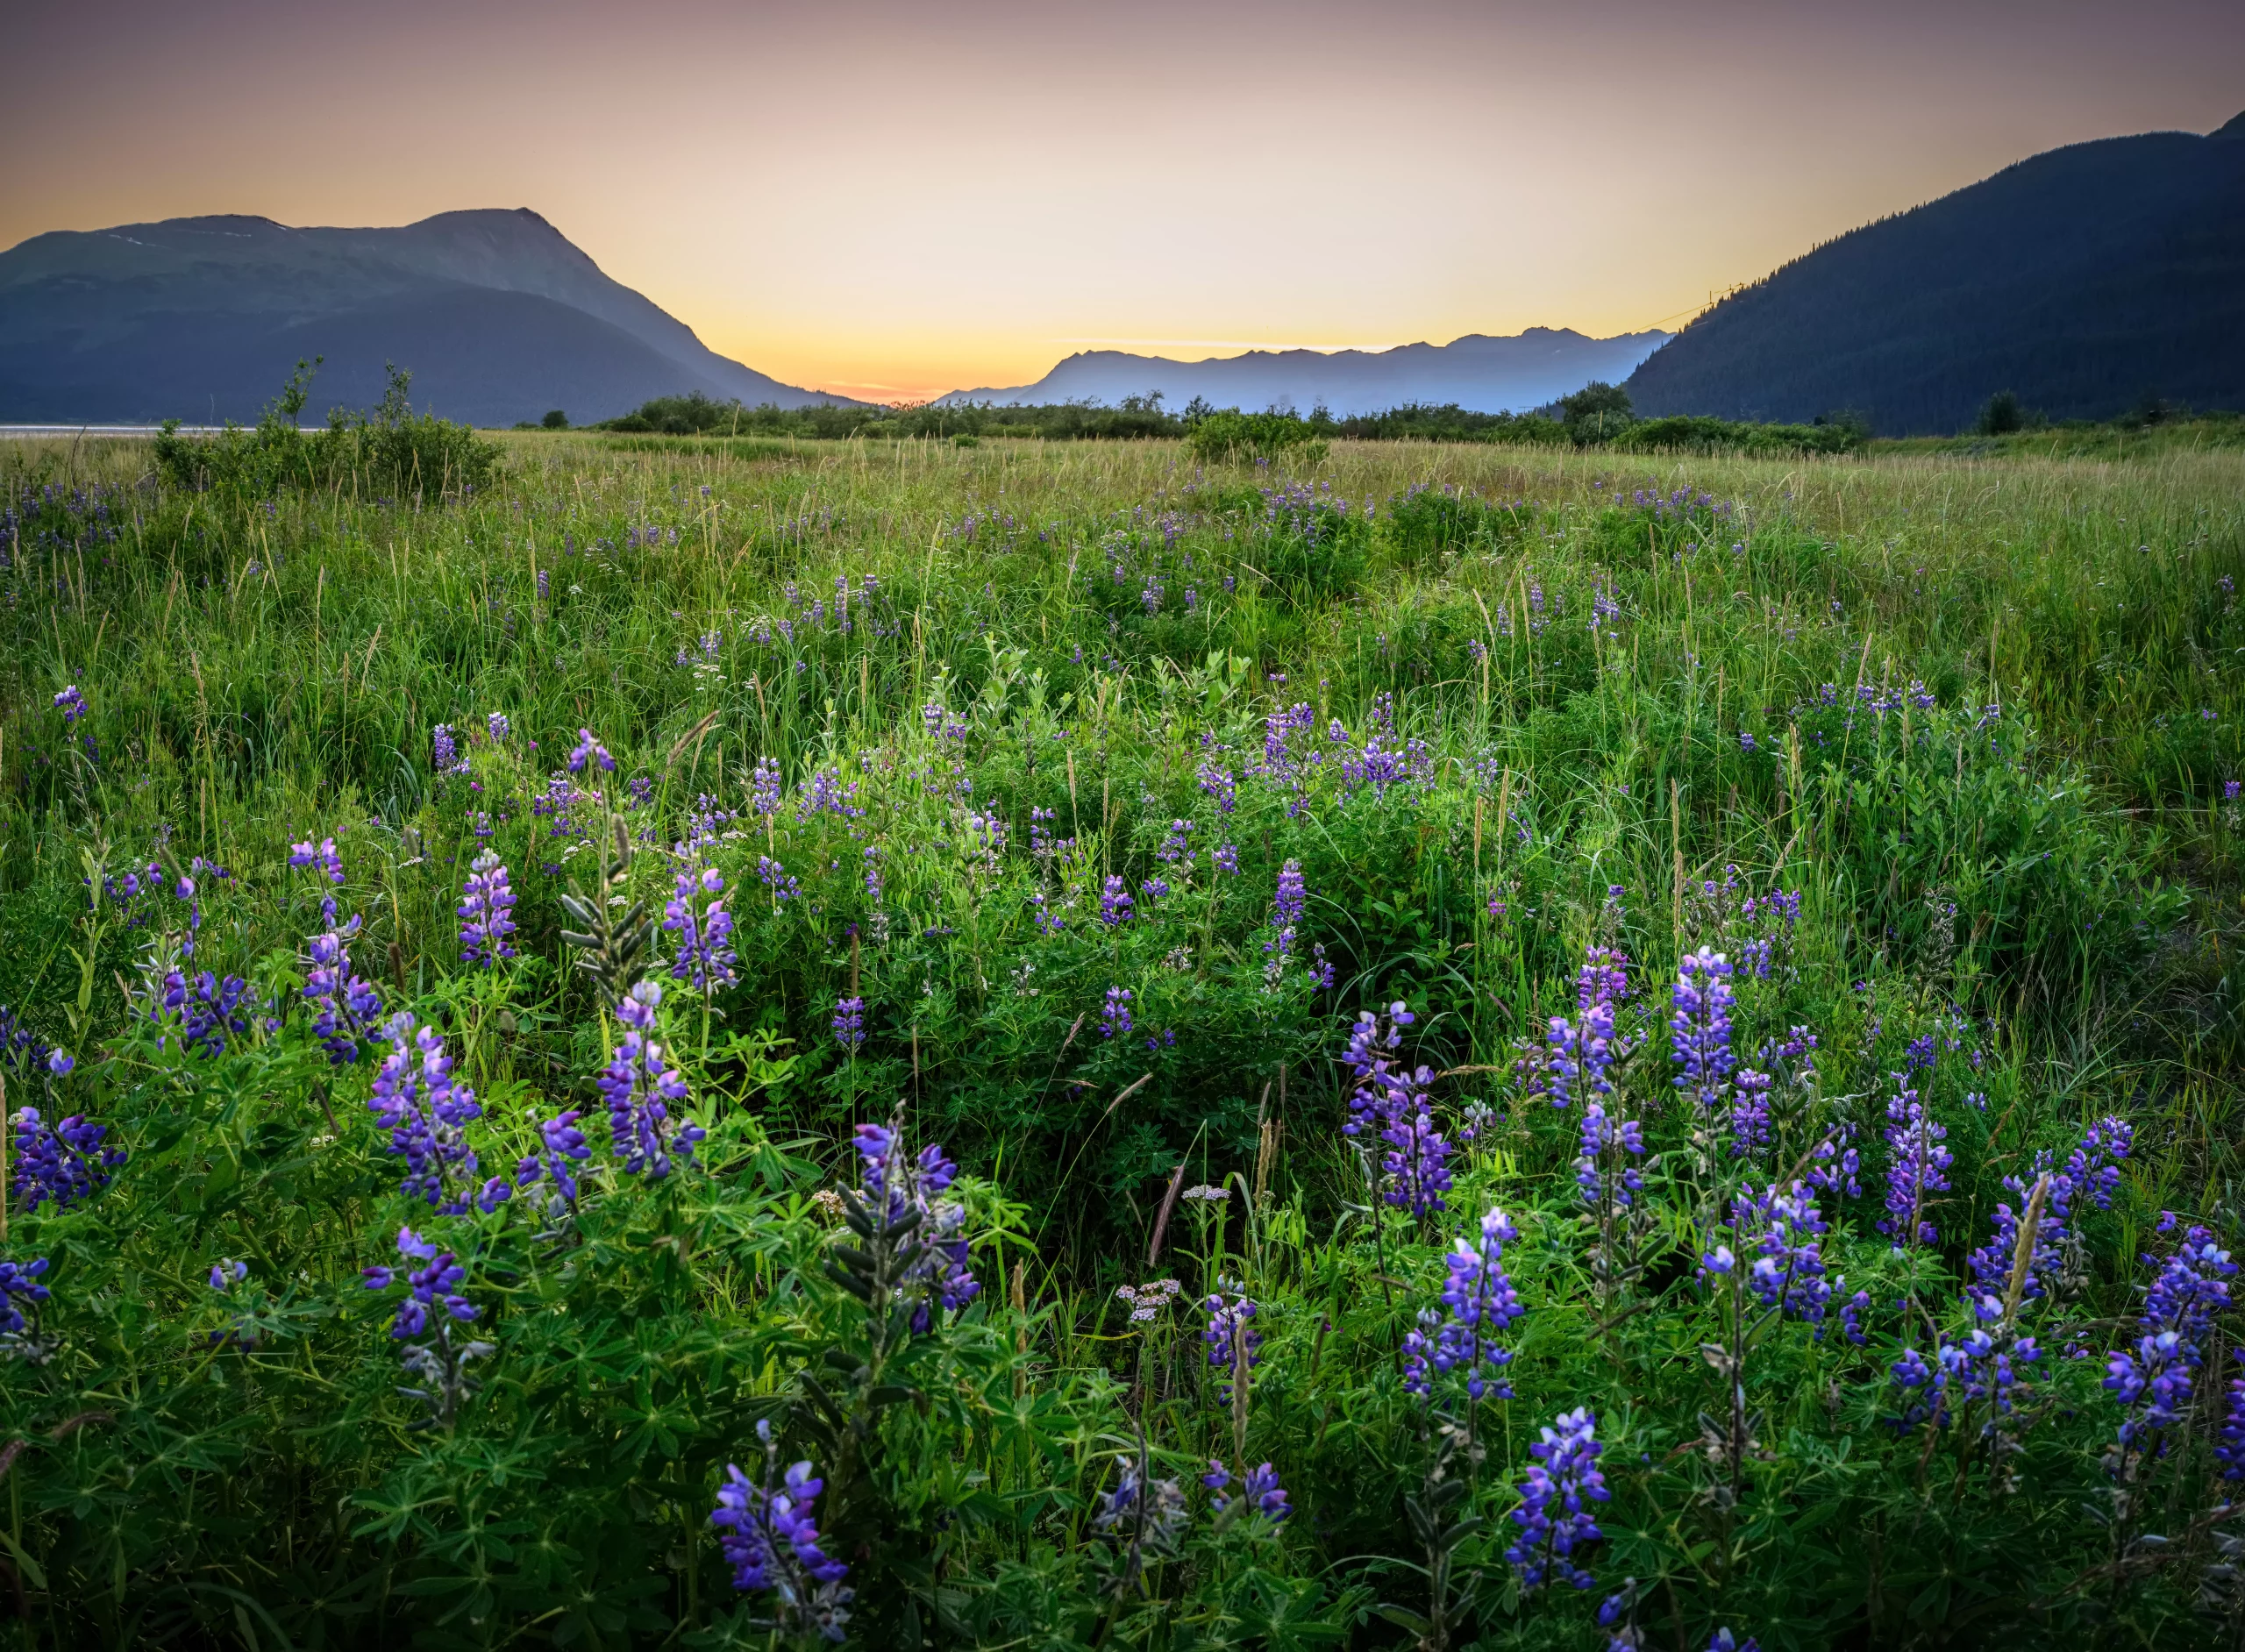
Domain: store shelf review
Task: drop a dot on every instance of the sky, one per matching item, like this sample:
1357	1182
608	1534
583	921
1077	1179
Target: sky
893	200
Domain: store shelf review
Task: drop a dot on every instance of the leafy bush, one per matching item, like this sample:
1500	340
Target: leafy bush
391	451
1233	435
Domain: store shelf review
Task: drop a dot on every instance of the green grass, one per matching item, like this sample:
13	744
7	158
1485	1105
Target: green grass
2025	855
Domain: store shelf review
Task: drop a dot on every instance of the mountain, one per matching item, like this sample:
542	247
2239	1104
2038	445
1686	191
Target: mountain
496	314
1487	374
2084	279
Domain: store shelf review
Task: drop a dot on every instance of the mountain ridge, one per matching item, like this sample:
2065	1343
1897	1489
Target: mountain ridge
2082	279
1483	372
203	317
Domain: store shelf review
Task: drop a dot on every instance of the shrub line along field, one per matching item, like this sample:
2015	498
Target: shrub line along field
1088	1045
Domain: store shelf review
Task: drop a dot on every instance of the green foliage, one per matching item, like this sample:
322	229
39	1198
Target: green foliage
1598	412
1497	703
1257	436
2001	415
392	451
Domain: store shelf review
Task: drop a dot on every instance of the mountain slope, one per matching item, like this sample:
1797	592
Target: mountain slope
2084	279
1487	374
497	315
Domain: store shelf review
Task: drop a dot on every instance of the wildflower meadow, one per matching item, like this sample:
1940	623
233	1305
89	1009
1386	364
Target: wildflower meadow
918	1044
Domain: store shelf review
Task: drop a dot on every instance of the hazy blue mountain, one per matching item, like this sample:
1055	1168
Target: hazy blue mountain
1487	374
2085	278
496	314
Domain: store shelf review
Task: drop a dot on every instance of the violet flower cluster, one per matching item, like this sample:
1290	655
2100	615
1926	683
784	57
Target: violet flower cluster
705	950
427	1115
205	1010
18	1284
1260	1491
938	1276
1787	1234
2152	1379
1553	1520
562	1147
1231	1336
1917	1167
2092	1170
433	1285
769	1533
486	913
1115	903
848	1024
64	1164
1114	1015
589	751
1481	1304
1699	1029
347	1004
1391	1100
641	1089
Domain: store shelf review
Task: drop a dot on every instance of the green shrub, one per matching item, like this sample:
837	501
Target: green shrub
392	451
1271	437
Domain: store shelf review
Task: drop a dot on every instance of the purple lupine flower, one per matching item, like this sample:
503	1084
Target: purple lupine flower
848	1024
1154	889
1787	1233
1604	978
1751	1129
1851	1313
2231	1452
1916	1170
1260	1491
1321	971
1226	858
348	1004
497	726
1114	903
1700	1028
1116	1017
71	703
205	1010
1582	1051
2151	1381
764	787
1482	1303
434	1286
641	1090
486	912
1552	1520
444	752
1393	1099
769	1533
588	749
560	1147
321	857
18	1284
705	952
1232	1334
427	1115
64	1164
1218	783
2092	1170
773	876
1291	898
939	1277
1604	1173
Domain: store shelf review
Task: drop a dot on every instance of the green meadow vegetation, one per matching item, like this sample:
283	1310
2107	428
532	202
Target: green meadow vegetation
650	1039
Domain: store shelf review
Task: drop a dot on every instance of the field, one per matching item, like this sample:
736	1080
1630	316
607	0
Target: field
1655	1038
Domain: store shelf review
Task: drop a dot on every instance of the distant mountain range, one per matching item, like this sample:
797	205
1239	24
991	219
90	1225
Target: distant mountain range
2084	279
1487	374
496	314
